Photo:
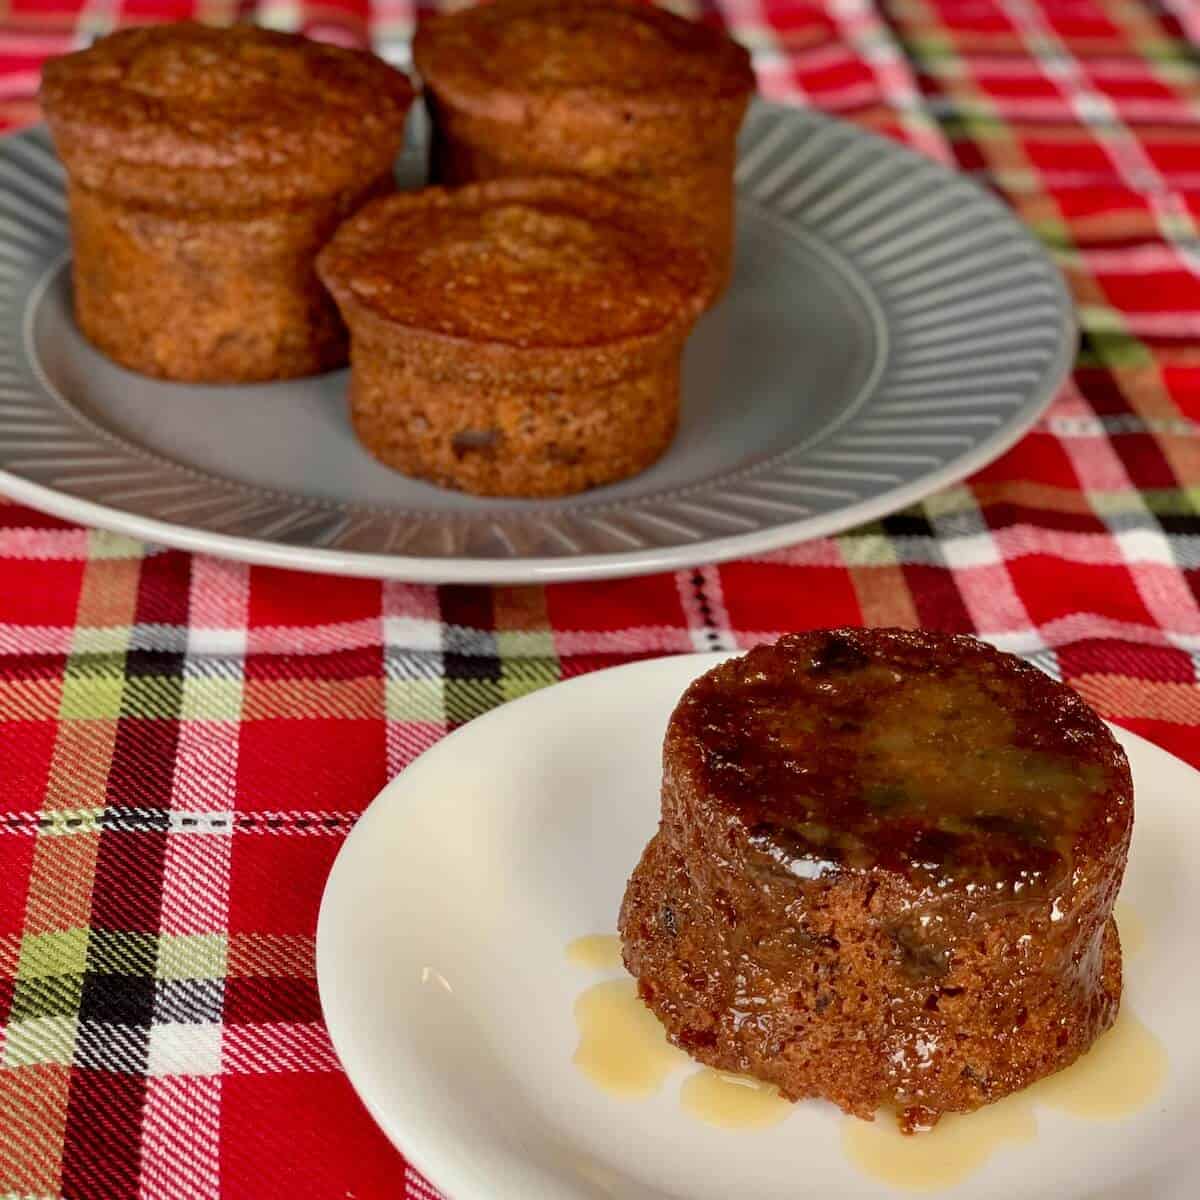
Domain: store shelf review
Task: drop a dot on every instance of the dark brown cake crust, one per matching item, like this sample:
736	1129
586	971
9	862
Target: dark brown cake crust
200	117
207	166
518	337
885	872
611	89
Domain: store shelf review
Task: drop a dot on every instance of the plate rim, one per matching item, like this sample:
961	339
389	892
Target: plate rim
622	562
447	1170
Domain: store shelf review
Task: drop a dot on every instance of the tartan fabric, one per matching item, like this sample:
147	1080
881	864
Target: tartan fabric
185	742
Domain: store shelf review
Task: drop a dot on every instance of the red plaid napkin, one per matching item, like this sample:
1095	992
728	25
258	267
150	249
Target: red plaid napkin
184	742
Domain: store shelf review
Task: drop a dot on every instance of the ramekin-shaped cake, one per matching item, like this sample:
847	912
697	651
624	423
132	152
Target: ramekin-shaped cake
617	90
206	167
516	338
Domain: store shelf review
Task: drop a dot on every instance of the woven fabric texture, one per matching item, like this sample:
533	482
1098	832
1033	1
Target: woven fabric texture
185	742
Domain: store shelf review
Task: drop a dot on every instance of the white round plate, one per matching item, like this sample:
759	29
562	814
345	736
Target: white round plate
440	960
890	328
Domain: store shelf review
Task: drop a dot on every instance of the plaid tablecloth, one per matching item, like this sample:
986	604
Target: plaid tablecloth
184	742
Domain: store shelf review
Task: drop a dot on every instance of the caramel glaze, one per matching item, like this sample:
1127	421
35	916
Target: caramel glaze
885	872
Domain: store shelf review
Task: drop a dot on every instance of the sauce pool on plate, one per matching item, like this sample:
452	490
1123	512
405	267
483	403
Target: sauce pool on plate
622	1047
596	951
623	1050
1122	1072
732	1101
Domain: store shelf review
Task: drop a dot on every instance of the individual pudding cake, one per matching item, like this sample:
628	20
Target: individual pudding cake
612	89
884	874
205	169
519	337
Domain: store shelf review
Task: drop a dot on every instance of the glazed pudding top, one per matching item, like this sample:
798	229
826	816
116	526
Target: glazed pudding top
928	754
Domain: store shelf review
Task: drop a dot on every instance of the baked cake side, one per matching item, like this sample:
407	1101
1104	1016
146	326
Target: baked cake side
205	169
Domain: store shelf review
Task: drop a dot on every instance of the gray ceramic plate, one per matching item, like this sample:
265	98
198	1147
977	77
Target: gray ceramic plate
890	329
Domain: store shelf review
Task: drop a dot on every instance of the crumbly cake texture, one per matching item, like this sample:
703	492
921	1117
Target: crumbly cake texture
612	89
518	337
206	168
884	873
